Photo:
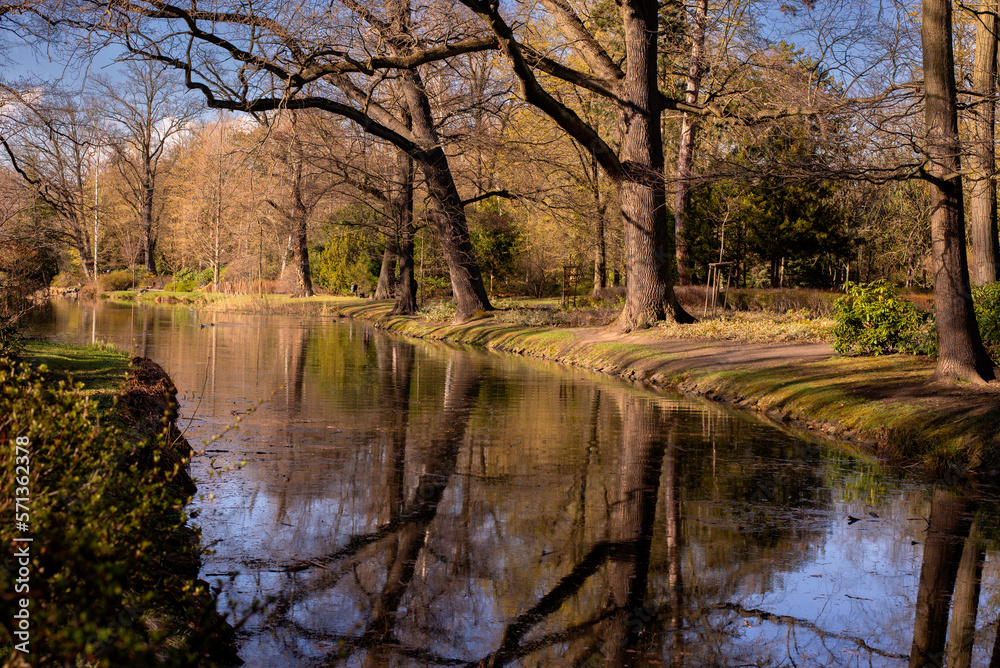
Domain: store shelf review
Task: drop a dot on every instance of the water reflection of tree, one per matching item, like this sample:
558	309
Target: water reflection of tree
398	542
947	538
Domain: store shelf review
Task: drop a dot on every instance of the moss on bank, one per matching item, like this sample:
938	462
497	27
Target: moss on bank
111	578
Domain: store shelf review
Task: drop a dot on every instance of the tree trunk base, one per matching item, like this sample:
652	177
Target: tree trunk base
952	372
405	304
634	319
467	314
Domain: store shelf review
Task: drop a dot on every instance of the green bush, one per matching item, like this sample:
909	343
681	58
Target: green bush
987	302
183	281
11	339
343	261
873	320
120	279
205	276
102	588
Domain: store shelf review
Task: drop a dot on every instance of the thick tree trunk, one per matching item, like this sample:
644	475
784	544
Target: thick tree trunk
949	525
961	354
387	274
982	159
685	152
447	210
649	241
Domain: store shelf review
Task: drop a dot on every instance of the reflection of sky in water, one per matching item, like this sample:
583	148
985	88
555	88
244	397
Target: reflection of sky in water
540	455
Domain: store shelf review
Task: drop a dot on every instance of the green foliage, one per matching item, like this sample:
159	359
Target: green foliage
205	276
119	279
11	340
184	281
187	279
496	240
344	260
987	303
101	590
873	320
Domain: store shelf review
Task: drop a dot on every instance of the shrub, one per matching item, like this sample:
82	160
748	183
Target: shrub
987	302
102	590
11	339
205	276
67	280
120	279
343	261
183	281
873	320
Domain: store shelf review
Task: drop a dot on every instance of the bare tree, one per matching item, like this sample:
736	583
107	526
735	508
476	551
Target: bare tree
293	145
636	166
54	142
258	60
145	110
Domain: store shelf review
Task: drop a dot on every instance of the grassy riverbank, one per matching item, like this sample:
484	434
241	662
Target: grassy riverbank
110	576
779	365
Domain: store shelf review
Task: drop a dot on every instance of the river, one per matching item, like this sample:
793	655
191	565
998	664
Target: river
385	501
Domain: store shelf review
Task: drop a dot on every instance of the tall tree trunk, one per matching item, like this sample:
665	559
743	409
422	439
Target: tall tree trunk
447	210
406	300
448	216
961	354
387	273
148	237
685	152
949	524
649	242
964	610
85	251
982	159
300	218
600	242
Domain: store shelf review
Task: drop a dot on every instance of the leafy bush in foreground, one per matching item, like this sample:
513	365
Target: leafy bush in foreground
873	320
112	575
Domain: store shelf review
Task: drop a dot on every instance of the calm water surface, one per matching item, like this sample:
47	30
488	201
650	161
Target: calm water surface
410	504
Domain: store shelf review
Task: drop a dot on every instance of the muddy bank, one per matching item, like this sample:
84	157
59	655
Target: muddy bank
148	401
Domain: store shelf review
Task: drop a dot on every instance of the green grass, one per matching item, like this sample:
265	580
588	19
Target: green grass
101	368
